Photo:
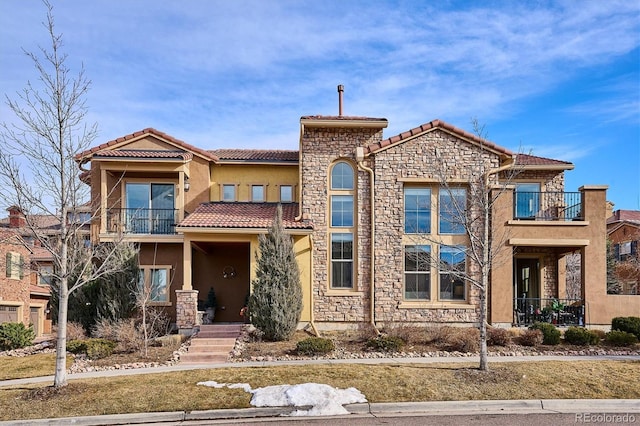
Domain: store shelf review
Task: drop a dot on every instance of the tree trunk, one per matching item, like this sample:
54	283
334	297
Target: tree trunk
484	356
60	378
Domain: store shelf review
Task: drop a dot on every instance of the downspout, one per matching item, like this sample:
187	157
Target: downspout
360	156
299	217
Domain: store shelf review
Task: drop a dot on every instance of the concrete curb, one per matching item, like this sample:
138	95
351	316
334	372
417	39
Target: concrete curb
431	408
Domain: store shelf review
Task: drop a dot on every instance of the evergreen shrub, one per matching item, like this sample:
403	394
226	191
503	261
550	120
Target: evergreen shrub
550	333
620	338
581	336
276	302
628	324
15	335
315	346
385	343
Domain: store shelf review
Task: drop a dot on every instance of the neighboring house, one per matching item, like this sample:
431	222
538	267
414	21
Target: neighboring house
623	229
26	270
197	214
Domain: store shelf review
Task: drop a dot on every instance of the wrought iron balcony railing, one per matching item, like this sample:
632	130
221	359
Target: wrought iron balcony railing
561	312
561	206
142	221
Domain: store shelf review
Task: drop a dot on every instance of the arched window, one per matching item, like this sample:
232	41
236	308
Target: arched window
342	226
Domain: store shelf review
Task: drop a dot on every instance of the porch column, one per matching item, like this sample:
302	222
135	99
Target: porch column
186	261
186	310
501	282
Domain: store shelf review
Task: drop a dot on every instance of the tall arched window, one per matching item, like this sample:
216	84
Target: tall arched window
342	226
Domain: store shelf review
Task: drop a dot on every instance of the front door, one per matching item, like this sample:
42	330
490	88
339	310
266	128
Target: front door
527	282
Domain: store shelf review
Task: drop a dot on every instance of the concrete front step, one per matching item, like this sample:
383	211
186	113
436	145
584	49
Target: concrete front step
212	344
190	358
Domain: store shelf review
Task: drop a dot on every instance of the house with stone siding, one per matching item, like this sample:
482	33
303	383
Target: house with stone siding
364	212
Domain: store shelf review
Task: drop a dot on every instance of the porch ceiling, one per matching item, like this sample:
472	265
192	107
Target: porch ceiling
548	242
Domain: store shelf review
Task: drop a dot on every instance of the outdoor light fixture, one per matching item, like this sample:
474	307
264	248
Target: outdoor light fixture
186	183
228	272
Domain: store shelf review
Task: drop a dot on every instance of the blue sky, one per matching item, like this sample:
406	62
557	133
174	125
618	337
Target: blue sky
559	79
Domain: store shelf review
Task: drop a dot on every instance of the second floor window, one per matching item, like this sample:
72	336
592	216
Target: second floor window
452	210
14	266
257	193
342	226
228	192
417	210
527	202
286	193
150	207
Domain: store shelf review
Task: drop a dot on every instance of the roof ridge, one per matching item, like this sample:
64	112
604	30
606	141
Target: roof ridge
433	124
150	131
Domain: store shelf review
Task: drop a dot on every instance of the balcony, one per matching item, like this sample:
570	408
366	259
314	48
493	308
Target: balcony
549	206
142	221
561	312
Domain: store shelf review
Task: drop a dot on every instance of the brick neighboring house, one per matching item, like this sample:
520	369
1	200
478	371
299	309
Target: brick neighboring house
348	198
24	282
623	229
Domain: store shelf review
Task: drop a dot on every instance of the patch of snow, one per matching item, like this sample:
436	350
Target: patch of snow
324	400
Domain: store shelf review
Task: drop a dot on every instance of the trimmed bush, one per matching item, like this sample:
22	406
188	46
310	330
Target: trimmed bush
315	346
14	335
530	337
77	346
628	324
93	348
620	338
385	343
99	348
550	333
498	336
581	336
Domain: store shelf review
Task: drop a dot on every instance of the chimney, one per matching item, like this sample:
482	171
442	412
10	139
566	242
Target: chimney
340	92
16	218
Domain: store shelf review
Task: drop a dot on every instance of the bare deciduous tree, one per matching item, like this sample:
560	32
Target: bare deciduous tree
38	173
466	207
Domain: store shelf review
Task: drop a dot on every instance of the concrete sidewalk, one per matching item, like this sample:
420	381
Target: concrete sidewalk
395	361
362	410
436	408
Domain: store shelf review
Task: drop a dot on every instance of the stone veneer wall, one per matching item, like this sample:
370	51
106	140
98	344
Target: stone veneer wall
320	148
552	180
186	310
456	159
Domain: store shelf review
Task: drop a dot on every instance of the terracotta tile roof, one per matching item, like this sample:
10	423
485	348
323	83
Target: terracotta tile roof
261	155
135	153
532	160
339	118
375	147
41	221
40	290
147	131
242	215
625	216
41	254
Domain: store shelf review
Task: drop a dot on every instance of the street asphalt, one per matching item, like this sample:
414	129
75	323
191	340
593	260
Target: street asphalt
630	407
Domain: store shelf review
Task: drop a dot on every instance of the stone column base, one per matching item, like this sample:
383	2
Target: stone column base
186	310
